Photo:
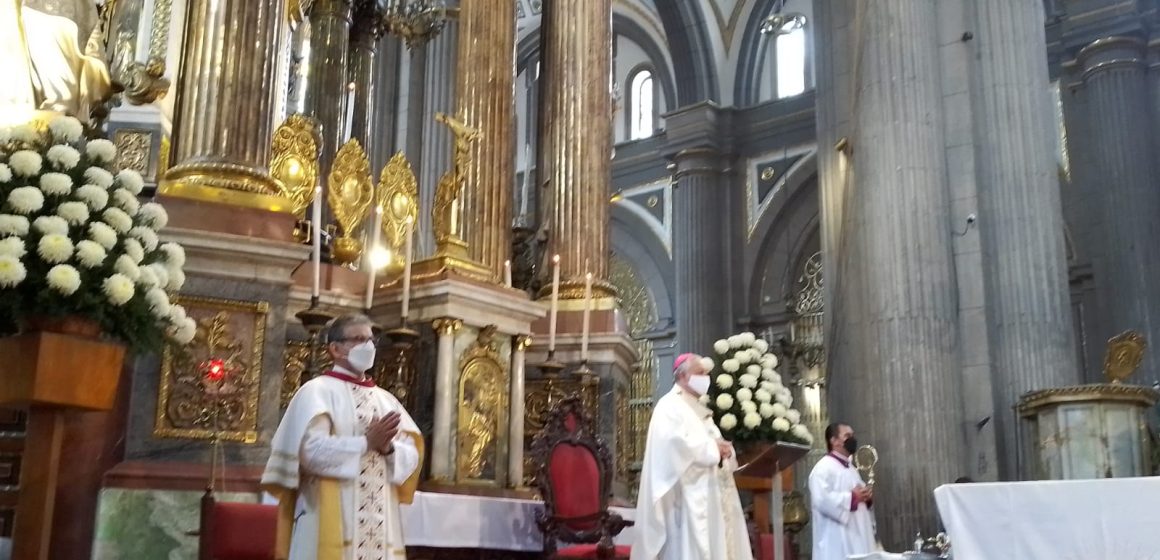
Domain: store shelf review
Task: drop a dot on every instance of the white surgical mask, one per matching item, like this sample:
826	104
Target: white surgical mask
362	357
699	384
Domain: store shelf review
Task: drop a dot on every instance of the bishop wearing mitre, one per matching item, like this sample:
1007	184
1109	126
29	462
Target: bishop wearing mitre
345	456
688	507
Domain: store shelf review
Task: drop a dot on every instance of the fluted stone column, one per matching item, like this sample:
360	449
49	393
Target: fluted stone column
365	32
386	100
698	236
440	70
487	103
1021	225
576	138
894	367
326	89
442	468
224	117
1125	158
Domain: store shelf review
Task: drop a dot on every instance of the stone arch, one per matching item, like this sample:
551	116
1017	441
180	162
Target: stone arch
781	235
691	49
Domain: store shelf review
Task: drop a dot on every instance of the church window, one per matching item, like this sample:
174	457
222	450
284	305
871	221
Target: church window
642	111
790	50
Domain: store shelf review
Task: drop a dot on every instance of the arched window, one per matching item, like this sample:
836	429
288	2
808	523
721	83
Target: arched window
642	111
791	63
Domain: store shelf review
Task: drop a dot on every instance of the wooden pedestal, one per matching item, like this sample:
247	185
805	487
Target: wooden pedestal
763	472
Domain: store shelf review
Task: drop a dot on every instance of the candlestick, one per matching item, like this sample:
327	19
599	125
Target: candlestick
316	242
409	238
587	317
555	303
507	273
372	271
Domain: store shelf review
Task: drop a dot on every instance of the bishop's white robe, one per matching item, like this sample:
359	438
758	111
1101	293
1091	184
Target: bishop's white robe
687	507
839	530
345	498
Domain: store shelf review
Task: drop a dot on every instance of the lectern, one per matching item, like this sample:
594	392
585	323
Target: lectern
761	472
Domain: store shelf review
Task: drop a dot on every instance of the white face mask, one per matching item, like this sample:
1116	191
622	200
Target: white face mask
699	384
362	357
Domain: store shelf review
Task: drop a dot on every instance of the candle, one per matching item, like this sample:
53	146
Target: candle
407	270
454	218
371	270
555	303
587	317
316	242
349	124
507	273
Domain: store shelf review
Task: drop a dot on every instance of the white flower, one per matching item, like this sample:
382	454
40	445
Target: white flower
770	386
127	201
761	346
175	254
730	365
748	381
762	395
728	422
103	235
793	416
724	401
63	157
64	279
54	248
66	129
25	163
160	273
5	135
724	381
768	374
784	398
753	369
721	346
12	247
780	425
707	364
5	171
154	215
131	181
734	341
800	431
101	150
12	271
13	225
117	219
148	279
25	200
99	177
766	410
146	236
177	314
90	253
96	197
25	133
176	279
749	406
75	213
125	265
56	184
133	249
779	410
185	333
743	357
51	224
744	395
769	361
752	420
748	338
118	288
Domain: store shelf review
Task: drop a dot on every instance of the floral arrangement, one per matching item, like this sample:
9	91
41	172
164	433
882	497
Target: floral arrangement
748	400
75	241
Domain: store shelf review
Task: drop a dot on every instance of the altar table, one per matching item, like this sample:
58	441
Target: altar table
1108	518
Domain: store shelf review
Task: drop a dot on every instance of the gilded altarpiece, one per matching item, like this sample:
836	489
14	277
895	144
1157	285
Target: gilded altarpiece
209	388
634	410
294	363
481	442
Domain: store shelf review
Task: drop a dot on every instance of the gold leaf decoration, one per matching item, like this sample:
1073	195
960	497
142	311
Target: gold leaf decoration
294	161
350	189
399	198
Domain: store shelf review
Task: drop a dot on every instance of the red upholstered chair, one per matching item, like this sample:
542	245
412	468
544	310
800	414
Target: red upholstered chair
236	530
574	476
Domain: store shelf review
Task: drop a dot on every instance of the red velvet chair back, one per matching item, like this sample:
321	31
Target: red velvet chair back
575	476
237	531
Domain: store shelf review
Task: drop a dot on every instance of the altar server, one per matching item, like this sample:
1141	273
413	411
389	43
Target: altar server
688	507
842	521
344	457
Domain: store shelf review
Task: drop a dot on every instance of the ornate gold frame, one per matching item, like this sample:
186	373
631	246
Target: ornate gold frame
294	155
482	360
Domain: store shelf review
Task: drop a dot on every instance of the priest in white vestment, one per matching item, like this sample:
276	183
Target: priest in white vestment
688	507
344	457
842	520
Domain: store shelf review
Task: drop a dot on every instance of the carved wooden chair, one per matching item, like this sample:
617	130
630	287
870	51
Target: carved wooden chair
236	530
574	476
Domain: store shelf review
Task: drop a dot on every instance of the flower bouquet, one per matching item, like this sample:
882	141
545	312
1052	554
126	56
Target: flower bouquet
77	244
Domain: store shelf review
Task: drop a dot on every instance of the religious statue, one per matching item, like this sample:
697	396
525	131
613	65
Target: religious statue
45	68
479	434
445	213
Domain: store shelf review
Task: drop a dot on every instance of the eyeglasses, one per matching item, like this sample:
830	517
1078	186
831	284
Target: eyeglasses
358	339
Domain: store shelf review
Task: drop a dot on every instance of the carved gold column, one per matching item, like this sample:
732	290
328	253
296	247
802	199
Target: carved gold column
445	390
576	138
225	105
516	414
486	91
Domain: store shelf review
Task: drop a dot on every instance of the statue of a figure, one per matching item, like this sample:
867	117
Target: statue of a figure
44	68
445	213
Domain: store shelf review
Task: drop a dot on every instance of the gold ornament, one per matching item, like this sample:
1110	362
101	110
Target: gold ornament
294	161
445	213
350	195
865	458
482	409
1125	352
399	197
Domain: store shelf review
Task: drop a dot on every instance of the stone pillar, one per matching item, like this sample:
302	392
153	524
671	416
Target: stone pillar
365	32
486	91
1124	156
1021	218
326	88
440	76
225	106
388	64
699	202
516	415
442	469
575	148
895	370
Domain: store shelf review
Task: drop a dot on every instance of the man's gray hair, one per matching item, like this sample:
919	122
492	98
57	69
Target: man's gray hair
336	330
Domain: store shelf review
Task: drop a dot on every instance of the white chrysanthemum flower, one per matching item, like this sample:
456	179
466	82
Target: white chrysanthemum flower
12	271
25	133
753	369
131	181
90	253
13	225
64	279
752	420
56	184
749	406
50	224
724	381
707	364
73	212
126	201
54	248
25	200
744	395
148	279
748	381
99	177
780	425
118	288
66	129
724	401
728	422
5	171
12	247
186	331
763	395
766	410
784	398
146	236
769	361
768	374
117	219
25	163
730	366
125	265
134	249
174	254
5	135
769	386
734	341
103	235
721	346
154	215
96	197
158	301
176	279
780	410
800	431
63	157
748	337
101	150
761	346
161	274
743	357
793	416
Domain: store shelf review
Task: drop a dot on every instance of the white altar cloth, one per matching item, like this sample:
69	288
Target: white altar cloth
880	555
1110	518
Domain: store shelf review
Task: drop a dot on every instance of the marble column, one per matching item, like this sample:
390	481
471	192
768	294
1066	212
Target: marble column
365	32
1125	159
1021	219
894	366
440	65
224	118
699	202
575	148
486	91
516	414
441	464
388	66
326	89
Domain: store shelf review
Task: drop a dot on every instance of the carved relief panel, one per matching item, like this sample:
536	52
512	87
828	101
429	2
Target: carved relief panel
481	442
